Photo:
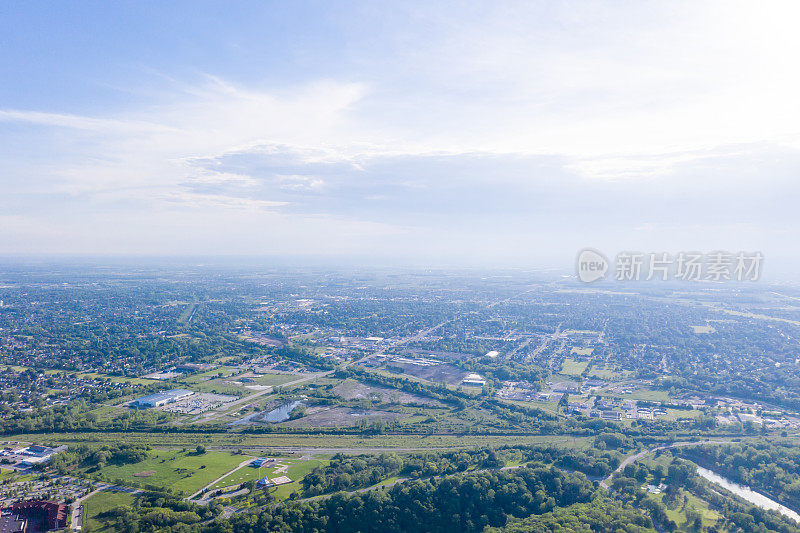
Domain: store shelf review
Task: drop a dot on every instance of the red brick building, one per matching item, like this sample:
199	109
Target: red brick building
39	515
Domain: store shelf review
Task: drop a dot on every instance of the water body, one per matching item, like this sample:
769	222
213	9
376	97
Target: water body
746	493
281	414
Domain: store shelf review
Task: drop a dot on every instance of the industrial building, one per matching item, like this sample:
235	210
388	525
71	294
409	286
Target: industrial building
161	398
473	380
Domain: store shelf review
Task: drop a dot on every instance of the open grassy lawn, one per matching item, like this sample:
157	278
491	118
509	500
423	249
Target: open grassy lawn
608	373
217	386
275	379
678	514
297	471
683	413
118	379
703	329
201	377
248	443
243	475
300	469
550	407
181	471
96	505
89	375
187	312
571	367
582	351
648	395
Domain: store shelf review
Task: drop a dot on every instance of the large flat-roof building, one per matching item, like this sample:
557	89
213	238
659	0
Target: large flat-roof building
161	398
473	380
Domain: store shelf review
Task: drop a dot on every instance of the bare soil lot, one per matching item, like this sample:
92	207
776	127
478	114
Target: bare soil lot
354	390
340	416
440	373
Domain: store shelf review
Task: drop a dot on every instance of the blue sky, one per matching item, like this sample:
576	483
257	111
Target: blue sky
500	133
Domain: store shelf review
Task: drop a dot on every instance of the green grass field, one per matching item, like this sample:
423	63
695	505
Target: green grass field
274	379
608	373
582	351
178	470
216	386
648	395
297	470
678	514
296	473
703	329
187	312
96	505
88	375
571	367
208	374
118	379
242	475
254	444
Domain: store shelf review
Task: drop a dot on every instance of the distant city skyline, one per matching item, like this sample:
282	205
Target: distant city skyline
490	134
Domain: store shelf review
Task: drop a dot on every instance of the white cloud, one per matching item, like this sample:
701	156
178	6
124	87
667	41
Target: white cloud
523	106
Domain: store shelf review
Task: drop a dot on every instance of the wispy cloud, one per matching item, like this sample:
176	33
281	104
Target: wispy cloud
437	124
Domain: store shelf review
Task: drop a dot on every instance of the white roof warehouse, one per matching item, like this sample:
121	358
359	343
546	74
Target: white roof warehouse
161	398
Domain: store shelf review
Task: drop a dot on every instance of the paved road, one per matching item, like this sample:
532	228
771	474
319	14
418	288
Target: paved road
628	460
76	521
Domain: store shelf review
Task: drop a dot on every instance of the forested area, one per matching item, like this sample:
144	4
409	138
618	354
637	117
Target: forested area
347	472
602	515
463	502
154	511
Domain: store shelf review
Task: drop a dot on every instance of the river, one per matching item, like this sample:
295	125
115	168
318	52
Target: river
746	493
